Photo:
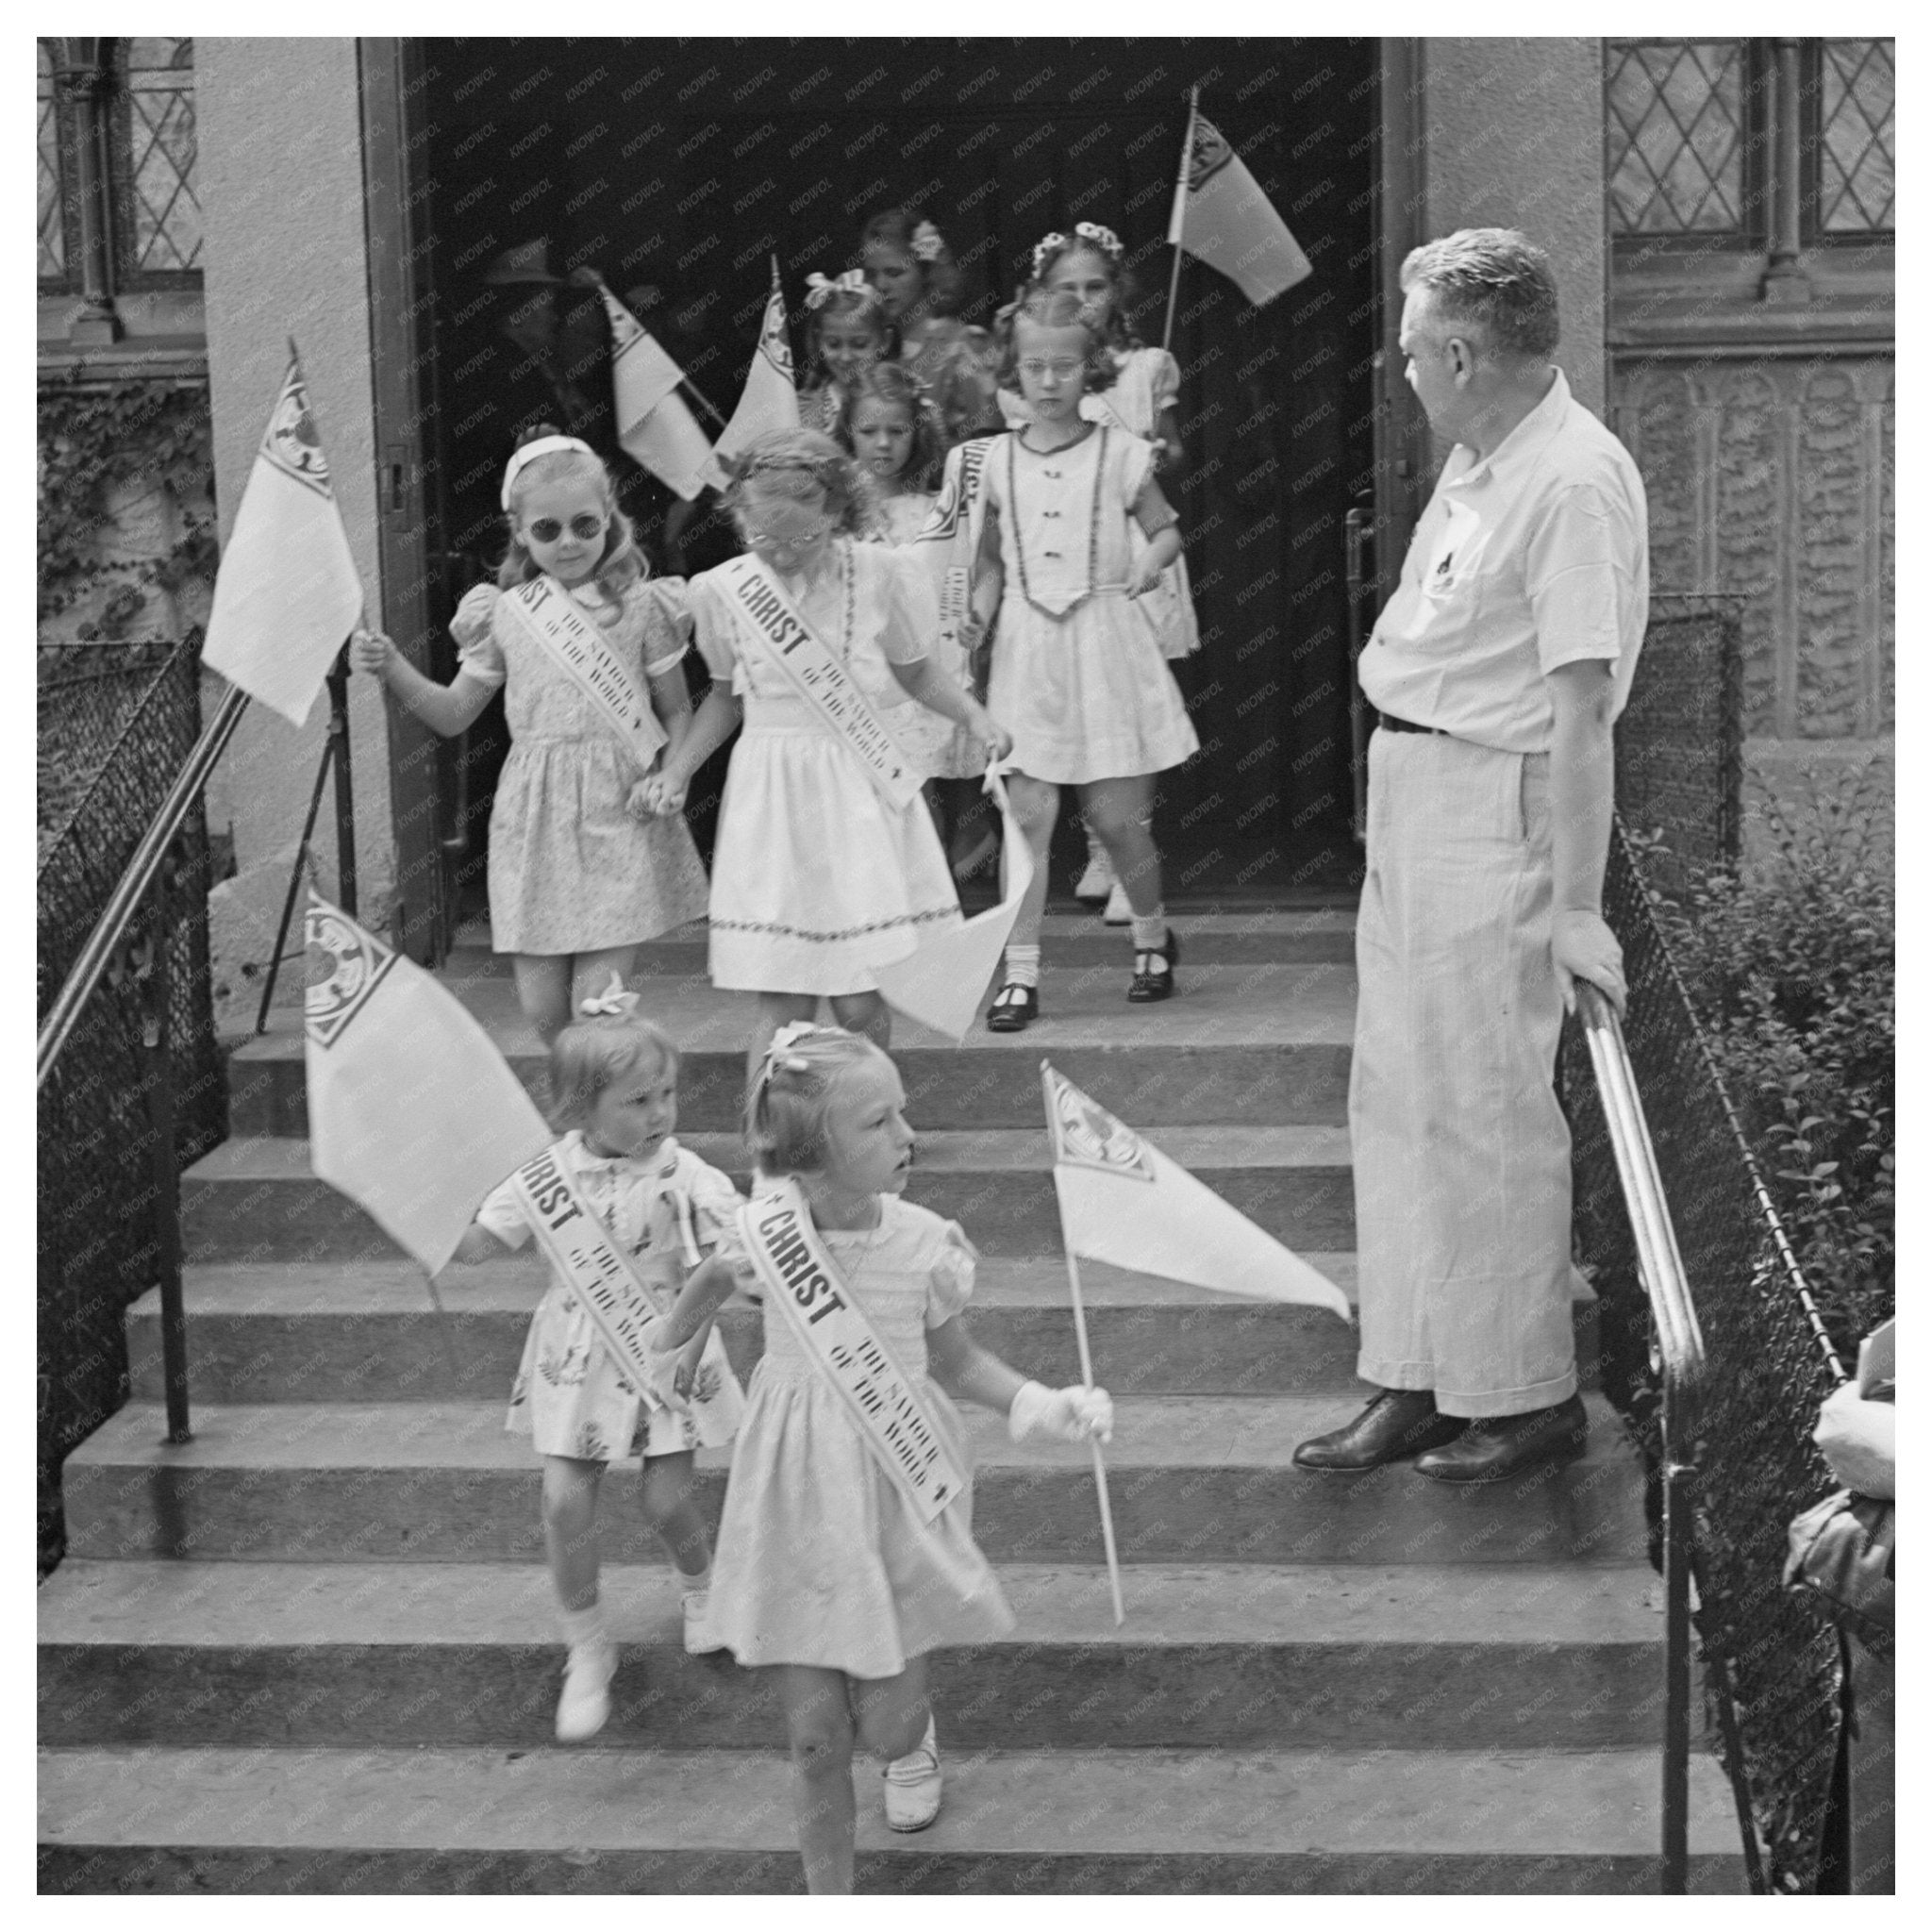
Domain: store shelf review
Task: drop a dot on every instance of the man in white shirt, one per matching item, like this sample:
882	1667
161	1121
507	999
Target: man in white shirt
1498	668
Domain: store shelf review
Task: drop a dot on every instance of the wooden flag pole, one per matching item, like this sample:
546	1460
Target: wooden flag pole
1113	1560
1174	280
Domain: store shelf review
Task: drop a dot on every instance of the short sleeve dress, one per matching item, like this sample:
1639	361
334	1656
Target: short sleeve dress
935	744
816	879
819	1559
569	1397
1078	676
570	870
1146	381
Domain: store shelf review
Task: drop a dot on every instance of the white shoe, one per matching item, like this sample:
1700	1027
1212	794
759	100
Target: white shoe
1117	911
1091	886
584	1708
698	1642
912	1785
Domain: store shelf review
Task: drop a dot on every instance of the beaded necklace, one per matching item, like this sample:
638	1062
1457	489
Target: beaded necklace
1019	523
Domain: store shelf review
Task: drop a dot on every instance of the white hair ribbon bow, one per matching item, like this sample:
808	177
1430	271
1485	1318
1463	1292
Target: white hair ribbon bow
928	245
819	289
613	1003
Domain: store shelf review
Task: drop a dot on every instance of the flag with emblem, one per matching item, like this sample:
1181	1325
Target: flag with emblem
286	595
653	428
1125	1202
412	1113
771	389
1222	217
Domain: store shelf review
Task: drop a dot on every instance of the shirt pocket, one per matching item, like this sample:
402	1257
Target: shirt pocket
1449	592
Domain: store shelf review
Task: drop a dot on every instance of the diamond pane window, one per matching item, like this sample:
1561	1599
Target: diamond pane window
52	261
1676	128
165	234
1856	138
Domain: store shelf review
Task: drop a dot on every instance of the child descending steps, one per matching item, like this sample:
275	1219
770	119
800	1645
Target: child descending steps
1077	677
1143	400
841	1563
614	1081
827	863
581	872
847	331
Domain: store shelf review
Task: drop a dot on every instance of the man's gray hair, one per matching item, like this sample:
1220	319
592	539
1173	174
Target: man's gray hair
1497	278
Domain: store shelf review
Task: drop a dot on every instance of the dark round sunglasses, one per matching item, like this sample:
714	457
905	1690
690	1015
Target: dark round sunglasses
547	529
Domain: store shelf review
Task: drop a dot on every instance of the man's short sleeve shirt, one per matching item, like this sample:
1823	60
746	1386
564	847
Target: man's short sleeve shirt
1533	557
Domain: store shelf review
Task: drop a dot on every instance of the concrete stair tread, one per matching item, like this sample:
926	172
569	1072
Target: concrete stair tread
1245	1003
1478	1804
201	1605
515	1283
248	1158
1150	1431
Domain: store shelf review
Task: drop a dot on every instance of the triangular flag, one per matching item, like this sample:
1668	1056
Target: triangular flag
412	1113
286	595
1222	217
942	983
654	427
770	390
1125	1202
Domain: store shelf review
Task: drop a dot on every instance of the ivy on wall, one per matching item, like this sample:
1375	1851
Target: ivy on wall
102	448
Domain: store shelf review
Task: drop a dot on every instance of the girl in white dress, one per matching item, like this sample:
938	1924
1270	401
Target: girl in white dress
580	872
824	1572
1078	676
1143	400
614	1078
819	875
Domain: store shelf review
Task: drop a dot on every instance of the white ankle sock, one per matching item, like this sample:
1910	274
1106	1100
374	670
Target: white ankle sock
1150	934
1022	966
583	1626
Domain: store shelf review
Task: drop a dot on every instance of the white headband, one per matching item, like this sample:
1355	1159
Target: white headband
542	446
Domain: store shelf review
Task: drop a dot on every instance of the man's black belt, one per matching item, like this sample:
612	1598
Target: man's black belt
1390	723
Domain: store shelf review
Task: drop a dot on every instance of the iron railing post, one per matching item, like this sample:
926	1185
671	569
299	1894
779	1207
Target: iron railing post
160	1084
1679	1480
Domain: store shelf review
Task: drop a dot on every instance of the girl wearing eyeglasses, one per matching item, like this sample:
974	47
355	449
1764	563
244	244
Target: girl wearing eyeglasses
589	654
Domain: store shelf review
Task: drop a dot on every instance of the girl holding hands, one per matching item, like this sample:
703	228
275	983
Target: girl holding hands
581	872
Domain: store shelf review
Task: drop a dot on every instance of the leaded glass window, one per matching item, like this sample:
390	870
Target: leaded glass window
158	235
1856	139
1675	121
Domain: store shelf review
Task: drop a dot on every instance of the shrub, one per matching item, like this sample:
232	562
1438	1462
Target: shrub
1789	963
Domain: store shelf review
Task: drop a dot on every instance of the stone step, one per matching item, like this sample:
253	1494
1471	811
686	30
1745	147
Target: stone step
255	1199
366	1331
1193	1479
1241	1657
1262	1042
237	1820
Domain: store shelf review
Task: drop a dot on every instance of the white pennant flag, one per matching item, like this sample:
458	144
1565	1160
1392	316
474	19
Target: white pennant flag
412	1113
942	983
770	390
286	595
1222	217
1124	1202
653	428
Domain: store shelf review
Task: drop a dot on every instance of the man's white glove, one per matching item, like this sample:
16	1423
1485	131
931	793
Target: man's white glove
1069	1415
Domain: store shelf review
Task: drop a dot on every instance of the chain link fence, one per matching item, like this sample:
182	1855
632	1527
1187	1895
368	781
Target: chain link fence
113	733
1771	1662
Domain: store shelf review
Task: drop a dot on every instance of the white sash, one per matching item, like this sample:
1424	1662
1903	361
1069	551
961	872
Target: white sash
816	675
799	1275
616	1299
572	640
955	524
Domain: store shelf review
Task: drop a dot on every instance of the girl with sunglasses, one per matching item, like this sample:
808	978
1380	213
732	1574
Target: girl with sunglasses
588	653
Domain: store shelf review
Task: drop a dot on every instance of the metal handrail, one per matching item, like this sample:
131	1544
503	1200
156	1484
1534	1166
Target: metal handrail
136	879
1681	1363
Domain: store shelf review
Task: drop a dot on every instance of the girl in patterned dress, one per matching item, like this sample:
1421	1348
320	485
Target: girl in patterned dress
847	332
1142	399
580	872
615	1081
908	261
825	1574
817	877
1078	676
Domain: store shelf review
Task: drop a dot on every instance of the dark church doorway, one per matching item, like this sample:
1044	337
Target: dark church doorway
682	167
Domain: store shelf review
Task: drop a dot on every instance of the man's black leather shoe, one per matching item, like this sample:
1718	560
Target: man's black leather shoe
1494	1448
1398	1424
